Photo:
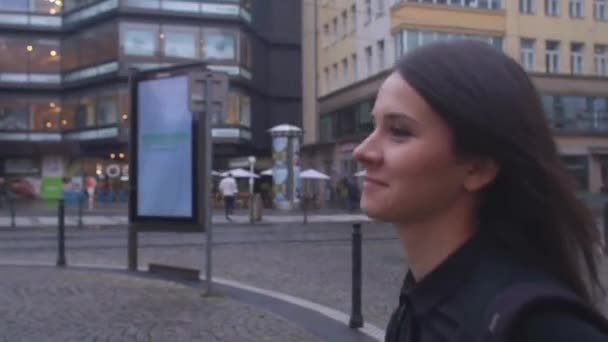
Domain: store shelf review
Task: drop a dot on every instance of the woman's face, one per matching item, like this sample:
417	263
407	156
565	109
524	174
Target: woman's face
412	172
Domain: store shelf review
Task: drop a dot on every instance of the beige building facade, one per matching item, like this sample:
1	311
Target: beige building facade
563	44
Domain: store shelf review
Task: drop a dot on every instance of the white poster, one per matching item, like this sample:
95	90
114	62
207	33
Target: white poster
52	166
164	145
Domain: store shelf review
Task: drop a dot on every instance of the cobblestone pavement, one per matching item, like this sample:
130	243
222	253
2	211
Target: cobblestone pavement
64	305
311	262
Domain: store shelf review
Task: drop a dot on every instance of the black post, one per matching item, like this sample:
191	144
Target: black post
132	253
11	208
61	234
80	203
605	242
356	317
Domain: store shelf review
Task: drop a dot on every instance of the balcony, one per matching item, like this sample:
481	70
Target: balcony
584	123
482	17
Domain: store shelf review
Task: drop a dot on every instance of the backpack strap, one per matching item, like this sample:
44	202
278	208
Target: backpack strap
502	312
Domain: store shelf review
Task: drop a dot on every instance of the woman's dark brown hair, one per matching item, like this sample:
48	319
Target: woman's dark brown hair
495	111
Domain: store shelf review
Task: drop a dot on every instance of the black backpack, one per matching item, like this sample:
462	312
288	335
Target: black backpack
502	312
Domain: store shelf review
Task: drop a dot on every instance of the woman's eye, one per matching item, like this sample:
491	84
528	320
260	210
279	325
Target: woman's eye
400	132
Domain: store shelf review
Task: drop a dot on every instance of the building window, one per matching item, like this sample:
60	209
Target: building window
218	44
552	8
335	28
552	56
327	79
180	42
380	8
368	60
355	67
578	169
599	10
14	114
353	17
601	60
527	6
335	78
576	8
576	58
345	70
381	61
139	39
485	4
528	54
398	44
326	29
368	11
345	22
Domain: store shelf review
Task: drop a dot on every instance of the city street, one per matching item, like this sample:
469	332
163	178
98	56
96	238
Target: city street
311	262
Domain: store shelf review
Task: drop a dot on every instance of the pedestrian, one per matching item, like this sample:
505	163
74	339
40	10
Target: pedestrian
228	189
3	192
353	195
463	163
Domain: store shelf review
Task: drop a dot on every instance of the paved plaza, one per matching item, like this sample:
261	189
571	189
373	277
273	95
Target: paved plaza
311	263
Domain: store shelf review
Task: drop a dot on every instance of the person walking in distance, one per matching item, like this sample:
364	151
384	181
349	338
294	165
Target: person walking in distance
228	189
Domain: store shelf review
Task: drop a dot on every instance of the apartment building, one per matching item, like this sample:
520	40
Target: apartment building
563	44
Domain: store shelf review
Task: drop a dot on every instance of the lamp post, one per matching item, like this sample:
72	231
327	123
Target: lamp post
251	165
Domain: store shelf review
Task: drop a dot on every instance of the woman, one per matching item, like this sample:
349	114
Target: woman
463	163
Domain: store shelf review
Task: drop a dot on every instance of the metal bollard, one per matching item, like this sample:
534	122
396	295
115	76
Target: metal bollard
11	208
61	234
80	203
605	242
356	317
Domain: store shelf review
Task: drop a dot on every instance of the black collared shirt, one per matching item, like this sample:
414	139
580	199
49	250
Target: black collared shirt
449	304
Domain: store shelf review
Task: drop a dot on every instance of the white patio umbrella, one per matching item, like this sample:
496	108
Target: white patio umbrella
266	172
239	173
313	174
214	173
361	173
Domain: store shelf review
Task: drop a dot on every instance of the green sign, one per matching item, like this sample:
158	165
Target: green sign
51	188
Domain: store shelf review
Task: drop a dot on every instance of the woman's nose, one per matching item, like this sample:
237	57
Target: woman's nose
366	153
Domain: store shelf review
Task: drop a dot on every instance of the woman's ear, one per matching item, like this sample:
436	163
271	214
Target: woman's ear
482	172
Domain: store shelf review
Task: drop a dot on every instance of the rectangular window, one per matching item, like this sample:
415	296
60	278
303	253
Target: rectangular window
601	59
380	8
326	30
180	42
413	41
344	22
345	76
576	8
576	58
527	6
368	60
552	8
353	17
398	43
368	11
219	44
552	56
528	54
381	61
327	79
336	29
45	57
139	39
355	67
335	79
599	10
14	114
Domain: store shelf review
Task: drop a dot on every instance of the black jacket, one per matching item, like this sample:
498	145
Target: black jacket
449	305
